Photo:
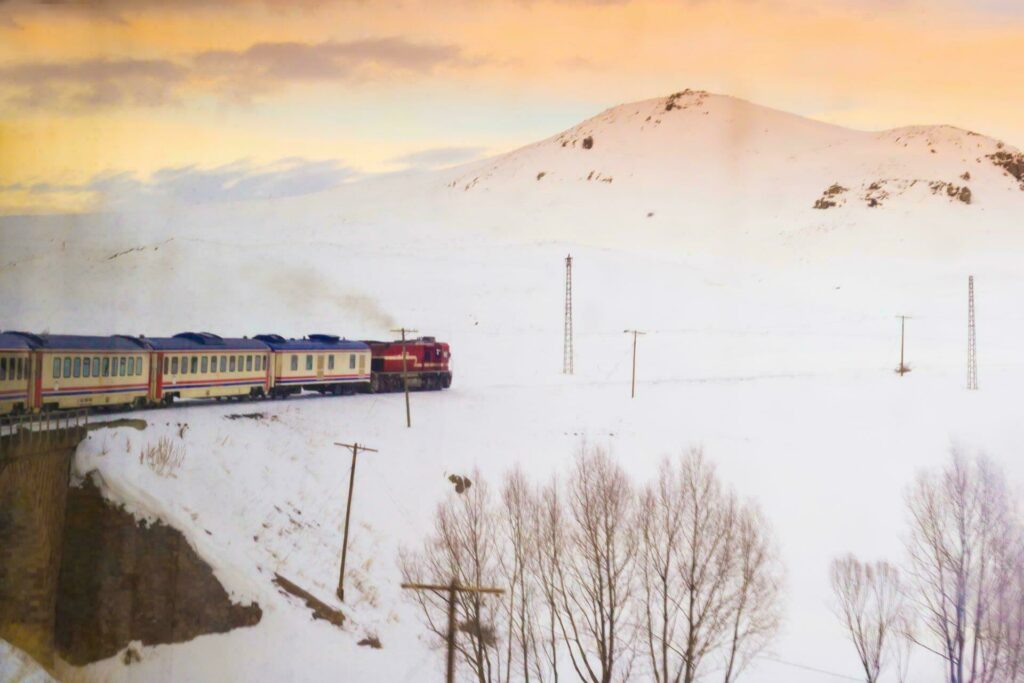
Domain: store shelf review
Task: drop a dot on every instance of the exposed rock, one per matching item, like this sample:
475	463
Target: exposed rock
829	197
123	581
588	142
1012	163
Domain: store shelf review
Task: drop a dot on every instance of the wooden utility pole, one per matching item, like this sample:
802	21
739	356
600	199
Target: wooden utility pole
355	448
635	333
405	374
902	369
453	589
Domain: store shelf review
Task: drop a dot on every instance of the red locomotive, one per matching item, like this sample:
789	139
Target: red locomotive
426	364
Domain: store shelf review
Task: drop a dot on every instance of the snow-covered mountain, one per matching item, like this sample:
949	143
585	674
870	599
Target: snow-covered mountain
696	170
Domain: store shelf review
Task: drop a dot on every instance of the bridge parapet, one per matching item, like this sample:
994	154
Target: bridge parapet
35	461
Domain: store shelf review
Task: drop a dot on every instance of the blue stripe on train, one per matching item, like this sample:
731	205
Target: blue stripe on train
324	381
202	385
69	392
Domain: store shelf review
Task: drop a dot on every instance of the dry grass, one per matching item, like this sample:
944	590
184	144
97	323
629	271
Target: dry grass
164	457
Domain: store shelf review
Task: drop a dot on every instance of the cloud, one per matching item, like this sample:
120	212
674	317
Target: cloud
92	83
233	74
190	185
439	156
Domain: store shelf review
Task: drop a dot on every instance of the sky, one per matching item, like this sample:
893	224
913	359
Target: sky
273	97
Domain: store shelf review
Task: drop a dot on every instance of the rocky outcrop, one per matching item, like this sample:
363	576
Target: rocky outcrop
122	580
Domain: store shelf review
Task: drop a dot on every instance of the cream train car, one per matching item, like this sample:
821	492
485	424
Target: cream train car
320	362
204	365
75	371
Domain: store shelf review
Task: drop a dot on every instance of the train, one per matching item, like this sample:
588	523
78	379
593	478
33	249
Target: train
45	372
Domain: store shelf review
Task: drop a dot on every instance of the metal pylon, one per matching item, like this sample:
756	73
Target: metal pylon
972	351
567	349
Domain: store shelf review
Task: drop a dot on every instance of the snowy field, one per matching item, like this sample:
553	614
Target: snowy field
786	382
772	343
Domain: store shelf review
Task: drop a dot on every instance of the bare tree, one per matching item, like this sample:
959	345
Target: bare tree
587	568
550	531
591	581
708	574
869	603
519	509
755	602
1005	623
463	547
961	527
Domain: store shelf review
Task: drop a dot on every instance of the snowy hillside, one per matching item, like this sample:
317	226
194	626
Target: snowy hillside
771	342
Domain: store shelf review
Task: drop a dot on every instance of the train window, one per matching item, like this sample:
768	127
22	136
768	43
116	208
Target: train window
195	365
223	363
3	368
122	366
86	366
330	362
21	368
295	362
96	366
138	365
248	363
309	361
106	367
231	364
184	365
131	365
67	366
77	367
174	365
167	365
204	366
17	368
56	368
259	363
351	361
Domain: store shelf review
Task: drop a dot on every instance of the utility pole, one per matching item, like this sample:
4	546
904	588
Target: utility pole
972	351
355	447
405	374
635	333
902	369
567	349
453	589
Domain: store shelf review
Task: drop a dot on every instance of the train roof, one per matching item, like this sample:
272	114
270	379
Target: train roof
314	342
78	342
10	341
417	340
203	341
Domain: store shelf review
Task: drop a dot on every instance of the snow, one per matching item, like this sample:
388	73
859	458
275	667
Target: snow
771	343
15	665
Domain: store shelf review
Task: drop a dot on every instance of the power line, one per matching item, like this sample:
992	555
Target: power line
805	667
355	448
453	589
635	333
902	369
405	374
